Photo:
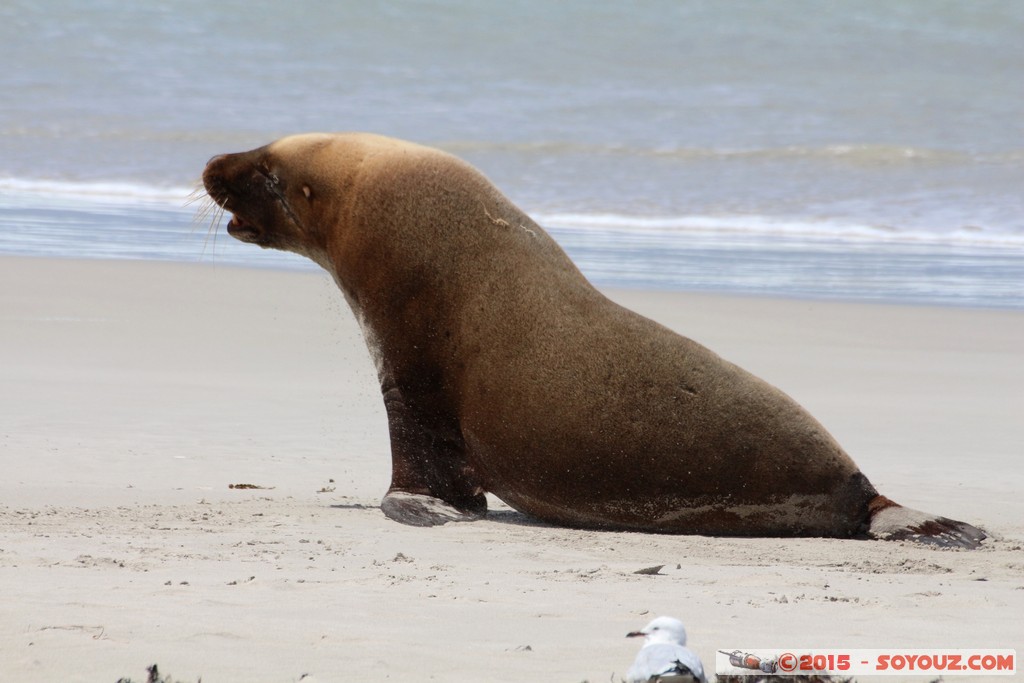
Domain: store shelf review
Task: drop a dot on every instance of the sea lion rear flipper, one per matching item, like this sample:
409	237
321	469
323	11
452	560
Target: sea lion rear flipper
892	522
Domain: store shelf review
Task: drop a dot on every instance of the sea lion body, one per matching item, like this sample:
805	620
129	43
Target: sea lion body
504	370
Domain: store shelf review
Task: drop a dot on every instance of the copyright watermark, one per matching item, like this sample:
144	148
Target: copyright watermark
889	662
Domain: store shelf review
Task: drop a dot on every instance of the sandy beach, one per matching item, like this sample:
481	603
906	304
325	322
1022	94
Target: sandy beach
137	396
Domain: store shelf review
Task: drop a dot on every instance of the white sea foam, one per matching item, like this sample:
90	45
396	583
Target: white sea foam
756	225
99	191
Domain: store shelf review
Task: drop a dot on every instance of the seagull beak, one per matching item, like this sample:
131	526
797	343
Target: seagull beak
635	634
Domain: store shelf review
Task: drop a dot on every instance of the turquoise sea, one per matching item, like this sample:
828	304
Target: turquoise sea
838	149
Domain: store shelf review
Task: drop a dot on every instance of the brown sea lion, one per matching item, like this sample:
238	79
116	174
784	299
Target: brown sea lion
504	370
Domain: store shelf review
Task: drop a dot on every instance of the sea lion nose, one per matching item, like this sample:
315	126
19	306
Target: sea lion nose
214	175
215	158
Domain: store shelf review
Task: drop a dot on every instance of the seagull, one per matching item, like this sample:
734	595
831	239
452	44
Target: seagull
664	655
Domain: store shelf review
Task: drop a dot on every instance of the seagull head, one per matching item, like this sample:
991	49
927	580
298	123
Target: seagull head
662	630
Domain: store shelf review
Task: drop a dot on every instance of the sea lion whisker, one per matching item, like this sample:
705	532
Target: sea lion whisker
210	212
198	193
215	219
203	211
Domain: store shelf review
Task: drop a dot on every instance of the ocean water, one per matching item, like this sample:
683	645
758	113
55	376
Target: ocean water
839	149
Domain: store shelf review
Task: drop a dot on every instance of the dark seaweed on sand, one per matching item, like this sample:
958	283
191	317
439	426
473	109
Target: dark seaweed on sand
155	677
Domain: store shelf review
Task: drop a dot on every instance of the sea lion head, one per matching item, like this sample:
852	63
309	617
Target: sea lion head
276	193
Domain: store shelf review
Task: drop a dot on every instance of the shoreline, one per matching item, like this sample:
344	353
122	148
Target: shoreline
739	255
284	262
139	392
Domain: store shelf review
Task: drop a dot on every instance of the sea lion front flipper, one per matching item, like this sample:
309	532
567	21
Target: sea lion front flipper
416	509
431	481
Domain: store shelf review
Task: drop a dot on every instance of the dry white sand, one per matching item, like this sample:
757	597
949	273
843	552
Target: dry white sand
134	394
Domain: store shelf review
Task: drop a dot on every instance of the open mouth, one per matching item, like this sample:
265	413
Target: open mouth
242	230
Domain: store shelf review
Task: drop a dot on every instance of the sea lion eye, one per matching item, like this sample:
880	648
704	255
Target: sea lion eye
306	191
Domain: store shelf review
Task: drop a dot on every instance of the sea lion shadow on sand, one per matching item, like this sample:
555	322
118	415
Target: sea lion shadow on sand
504	370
